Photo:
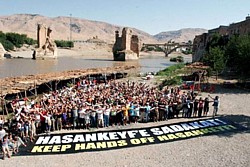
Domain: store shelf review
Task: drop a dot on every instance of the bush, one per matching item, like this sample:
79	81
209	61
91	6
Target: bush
11	40
158	49
7	45
64	44
30	41
177	59
186	52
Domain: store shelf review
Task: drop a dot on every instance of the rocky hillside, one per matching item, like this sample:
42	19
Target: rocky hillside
83	29
182	35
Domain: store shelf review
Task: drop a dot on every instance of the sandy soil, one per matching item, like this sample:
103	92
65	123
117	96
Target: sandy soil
215	150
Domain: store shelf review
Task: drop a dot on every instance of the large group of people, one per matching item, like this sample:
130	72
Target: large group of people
90	105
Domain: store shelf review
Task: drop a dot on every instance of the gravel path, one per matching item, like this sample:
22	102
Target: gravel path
216	150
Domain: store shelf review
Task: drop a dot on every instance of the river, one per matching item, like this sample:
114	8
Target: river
18	66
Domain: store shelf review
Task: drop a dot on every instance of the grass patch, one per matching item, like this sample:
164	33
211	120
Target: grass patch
171	70
171	75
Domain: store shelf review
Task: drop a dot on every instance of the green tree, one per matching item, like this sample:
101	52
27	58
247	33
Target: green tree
7	45
12	40
232	51
244	54
16	39
64	44
217	58
219	61
2	36
237	53
217	40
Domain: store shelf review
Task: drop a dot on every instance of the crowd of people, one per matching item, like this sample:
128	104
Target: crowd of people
90	105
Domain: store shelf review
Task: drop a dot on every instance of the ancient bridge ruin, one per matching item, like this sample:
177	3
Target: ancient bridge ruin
46	46
170	47
127	46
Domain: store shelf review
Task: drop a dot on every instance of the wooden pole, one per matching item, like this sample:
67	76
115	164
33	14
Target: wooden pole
55	85
35	87
2	106
1	98
35	92
7	113
49	86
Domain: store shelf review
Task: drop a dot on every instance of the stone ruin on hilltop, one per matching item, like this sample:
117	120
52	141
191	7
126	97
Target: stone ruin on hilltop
46	46
127	46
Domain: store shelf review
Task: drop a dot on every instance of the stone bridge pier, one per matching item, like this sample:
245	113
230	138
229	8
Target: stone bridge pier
126	46
46	46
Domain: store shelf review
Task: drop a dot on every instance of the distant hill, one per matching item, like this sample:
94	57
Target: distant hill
182	35
83	29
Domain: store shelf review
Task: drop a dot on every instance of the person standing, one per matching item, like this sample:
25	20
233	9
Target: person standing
137	113
2	132
74	114
81	115
87	118
58	118
206	106
200	107
216	104
92	117
99	113
190	106
147	111
106	114
113	116
196	102
125	114
5	146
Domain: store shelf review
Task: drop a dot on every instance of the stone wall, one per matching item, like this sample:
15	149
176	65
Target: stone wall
200	41
135	44
41	35
46	46
240	28
126	38
199	46
222	30
127	46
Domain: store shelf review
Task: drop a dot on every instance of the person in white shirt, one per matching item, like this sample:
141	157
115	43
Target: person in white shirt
137	113
81	114
99	113
2	133
106	113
